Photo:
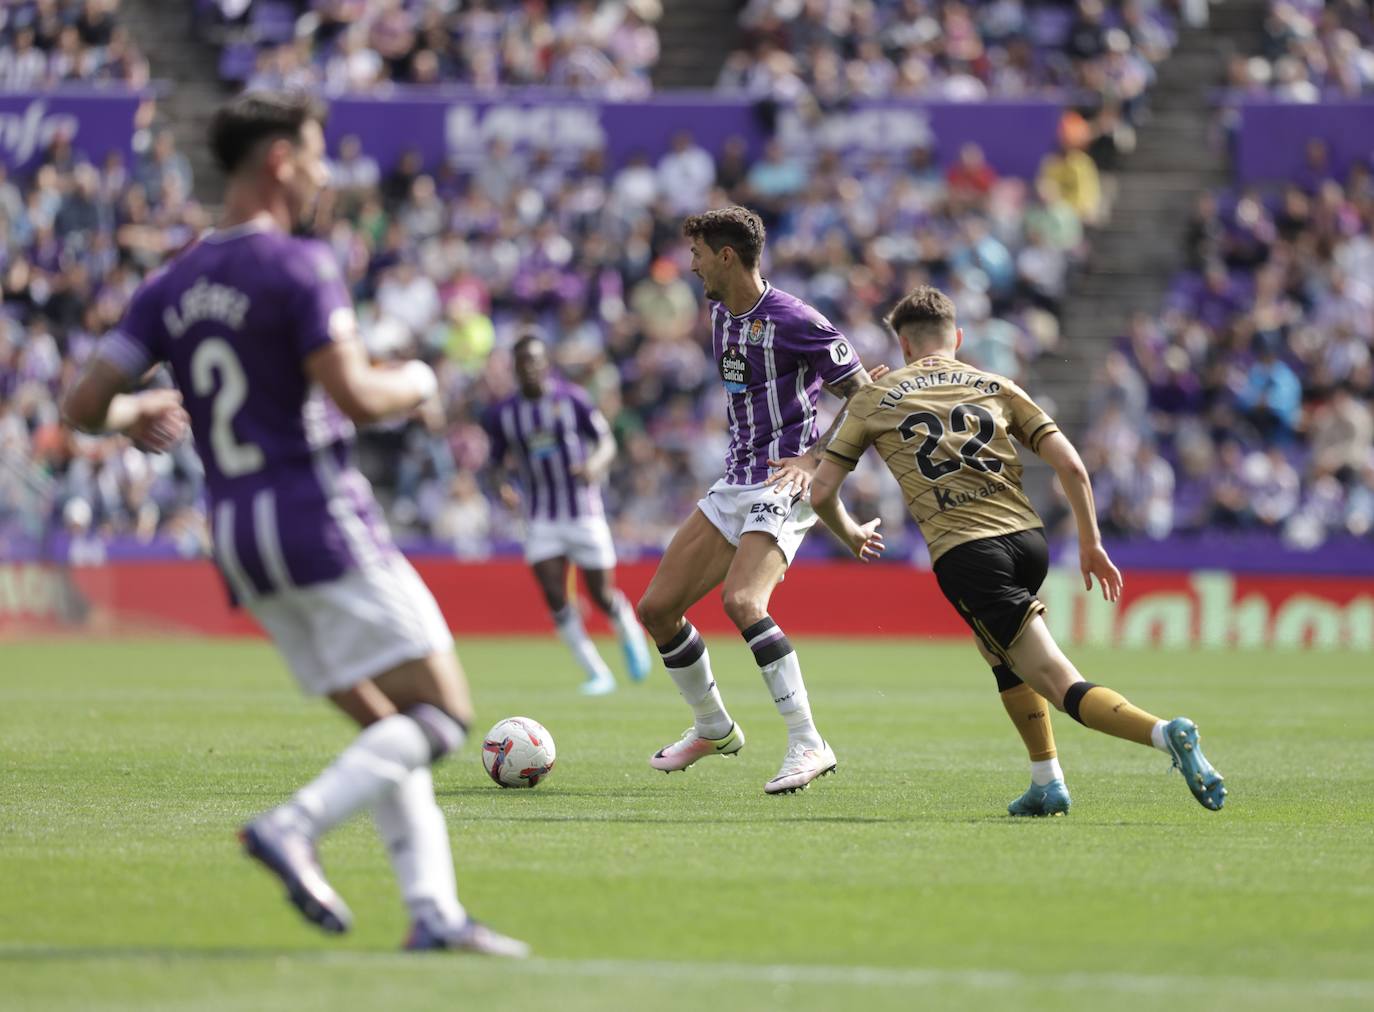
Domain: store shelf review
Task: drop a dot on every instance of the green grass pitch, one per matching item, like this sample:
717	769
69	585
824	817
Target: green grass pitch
899	883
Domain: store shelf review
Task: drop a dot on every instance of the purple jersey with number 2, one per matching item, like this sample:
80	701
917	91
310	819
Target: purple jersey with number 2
773	361
235	316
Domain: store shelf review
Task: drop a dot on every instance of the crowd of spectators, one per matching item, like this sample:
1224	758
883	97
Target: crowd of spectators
1246	404
49	43
603	47
452	265
839	51
1313	50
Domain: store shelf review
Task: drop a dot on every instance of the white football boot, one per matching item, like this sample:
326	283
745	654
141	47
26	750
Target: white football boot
801	765
692	746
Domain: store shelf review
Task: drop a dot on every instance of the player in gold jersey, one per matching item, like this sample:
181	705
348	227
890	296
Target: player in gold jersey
946	432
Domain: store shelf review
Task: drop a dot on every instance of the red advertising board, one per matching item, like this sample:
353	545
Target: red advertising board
1169	609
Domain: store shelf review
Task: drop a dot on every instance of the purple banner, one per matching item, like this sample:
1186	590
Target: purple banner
1271	139
462	127
96	122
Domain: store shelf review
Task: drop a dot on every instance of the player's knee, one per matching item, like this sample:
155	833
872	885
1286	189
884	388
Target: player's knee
744	607
444	732
654	613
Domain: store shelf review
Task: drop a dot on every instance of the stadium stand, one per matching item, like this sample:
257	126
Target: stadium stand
607	49
51	43
1245	405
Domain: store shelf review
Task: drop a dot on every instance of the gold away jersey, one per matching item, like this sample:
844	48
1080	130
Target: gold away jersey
945	431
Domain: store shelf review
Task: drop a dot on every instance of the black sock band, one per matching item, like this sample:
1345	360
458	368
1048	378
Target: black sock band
767	642
1074	698
684	649
1006	678
442	730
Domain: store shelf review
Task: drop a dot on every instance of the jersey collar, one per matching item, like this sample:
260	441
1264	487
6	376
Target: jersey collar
767	287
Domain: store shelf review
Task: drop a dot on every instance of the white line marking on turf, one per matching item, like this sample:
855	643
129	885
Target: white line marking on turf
765	973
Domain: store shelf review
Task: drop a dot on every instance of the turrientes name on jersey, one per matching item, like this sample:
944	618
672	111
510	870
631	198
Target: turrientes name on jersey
976	380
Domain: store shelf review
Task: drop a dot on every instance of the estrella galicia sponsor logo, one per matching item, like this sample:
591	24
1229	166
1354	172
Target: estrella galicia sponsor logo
945	500
734	371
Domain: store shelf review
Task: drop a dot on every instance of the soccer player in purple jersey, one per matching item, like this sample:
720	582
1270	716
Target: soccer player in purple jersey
561	449
257	328
774	353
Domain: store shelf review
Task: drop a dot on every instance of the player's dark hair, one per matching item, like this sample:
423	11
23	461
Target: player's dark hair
737	227
926	307
256	117
526	339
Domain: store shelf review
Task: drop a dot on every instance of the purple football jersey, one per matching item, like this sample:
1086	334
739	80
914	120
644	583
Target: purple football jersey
547	437
773	361
235	316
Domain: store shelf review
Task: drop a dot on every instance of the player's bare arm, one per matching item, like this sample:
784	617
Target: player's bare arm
598	462
796	473
364	392
863	540
1093	560
97	402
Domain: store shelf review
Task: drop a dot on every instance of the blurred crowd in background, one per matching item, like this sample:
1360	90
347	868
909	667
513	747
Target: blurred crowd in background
1245	404
1313	50
1242	404
49	43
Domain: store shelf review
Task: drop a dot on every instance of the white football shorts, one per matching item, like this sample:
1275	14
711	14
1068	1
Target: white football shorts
736	510
339	633
584	540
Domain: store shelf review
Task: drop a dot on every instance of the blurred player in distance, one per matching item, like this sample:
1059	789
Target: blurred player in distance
945	430
257	327
560	448
774	354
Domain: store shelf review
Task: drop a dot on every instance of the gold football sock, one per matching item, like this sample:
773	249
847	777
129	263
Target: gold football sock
1107	710
1031	715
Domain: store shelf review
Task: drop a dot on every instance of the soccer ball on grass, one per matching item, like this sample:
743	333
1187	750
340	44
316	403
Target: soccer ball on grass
518	752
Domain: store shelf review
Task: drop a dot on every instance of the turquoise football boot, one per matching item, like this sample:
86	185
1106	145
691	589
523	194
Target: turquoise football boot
1207	785
1051	799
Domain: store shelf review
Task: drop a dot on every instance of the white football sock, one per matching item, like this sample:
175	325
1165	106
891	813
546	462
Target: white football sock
1157	738
784	680
1044	771
695	682
570	628
416	838
380	758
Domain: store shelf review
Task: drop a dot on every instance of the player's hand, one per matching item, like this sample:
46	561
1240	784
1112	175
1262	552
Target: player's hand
509	496
1094	561
866	543
591	475
793	473
162	421
879	371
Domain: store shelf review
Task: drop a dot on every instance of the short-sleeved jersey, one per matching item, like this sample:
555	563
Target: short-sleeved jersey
235	316
547	436
945	431
773	361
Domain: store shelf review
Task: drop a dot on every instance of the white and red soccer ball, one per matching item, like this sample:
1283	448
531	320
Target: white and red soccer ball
518	752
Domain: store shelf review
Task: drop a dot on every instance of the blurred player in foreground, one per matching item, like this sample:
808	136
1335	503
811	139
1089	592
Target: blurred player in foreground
774	353
255	324
945	431
562	448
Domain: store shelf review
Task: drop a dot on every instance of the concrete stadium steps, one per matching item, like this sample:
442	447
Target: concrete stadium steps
1136	253
189	67
695	36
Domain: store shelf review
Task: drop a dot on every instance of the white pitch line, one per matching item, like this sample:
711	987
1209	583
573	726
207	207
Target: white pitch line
763	973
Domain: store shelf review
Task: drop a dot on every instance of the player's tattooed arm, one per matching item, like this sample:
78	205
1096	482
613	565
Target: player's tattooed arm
796	473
